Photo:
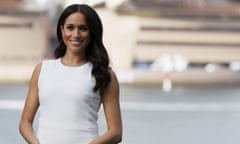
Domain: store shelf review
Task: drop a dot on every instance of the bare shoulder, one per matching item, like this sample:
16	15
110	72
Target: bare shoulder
38	66
114	84
113	76
37	70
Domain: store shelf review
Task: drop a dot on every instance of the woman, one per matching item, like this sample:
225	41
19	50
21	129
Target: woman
69	89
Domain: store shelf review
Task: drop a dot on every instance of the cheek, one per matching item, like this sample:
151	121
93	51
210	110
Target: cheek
66	34
87	36
88	40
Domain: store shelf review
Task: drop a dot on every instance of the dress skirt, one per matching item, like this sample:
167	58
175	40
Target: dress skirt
65	136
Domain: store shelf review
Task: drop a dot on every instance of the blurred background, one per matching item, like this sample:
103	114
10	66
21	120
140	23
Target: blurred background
177	61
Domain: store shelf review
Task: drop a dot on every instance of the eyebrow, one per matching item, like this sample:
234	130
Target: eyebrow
69	24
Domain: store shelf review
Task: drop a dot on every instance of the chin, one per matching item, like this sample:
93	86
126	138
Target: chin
76	50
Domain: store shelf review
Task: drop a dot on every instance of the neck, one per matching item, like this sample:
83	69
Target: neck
73	60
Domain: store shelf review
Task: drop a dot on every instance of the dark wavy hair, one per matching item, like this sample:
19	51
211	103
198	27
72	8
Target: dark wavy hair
95	52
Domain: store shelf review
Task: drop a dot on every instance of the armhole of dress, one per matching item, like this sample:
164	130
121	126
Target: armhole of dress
41	73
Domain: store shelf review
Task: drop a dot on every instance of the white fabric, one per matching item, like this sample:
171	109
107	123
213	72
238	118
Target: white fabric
68	105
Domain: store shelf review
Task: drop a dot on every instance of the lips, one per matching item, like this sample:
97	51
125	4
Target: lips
76	42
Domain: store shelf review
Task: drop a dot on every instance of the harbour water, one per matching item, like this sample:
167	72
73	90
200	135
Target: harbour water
207	114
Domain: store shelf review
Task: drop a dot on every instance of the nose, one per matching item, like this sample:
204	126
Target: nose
76	33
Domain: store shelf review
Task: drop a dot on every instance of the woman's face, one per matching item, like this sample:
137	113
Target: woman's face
75	33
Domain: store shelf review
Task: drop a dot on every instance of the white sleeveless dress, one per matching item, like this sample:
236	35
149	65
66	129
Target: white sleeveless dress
68	105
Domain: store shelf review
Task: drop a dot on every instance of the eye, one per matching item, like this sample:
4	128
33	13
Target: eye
69	27
83	28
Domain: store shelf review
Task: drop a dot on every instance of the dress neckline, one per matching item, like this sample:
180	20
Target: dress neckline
59	60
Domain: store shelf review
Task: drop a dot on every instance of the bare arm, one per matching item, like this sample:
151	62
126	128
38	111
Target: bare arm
30	109
110	99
